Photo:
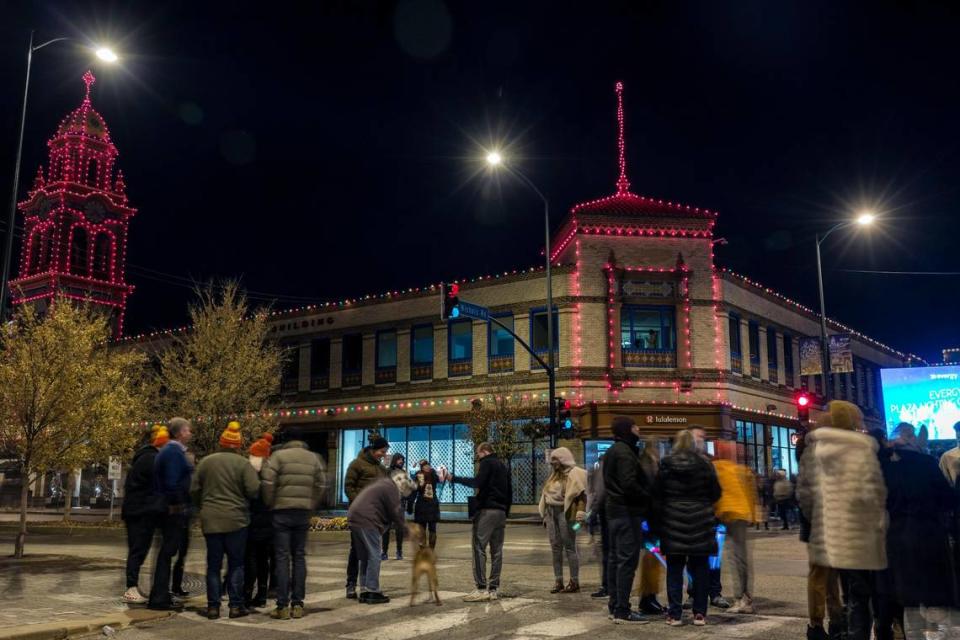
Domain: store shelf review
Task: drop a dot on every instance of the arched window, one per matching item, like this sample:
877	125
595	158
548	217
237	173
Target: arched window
102	248
36	247
78	252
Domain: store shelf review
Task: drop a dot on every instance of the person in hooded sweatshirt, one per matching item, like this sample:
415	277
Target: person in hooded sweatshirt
843	494
628	499
563	503
373	511
685	493
141	509
919	502
397	461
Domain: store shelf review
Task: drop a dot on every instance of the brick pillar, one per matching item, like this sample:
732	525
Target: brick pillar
745	346
521	326
781	369
480	362
367	376
336	363
724	344
440	351
403	355
764	356
303	382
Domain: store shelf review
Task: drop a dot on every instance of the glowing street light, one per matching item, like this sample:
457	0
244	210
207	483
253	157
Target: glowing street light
494	158
106	54
864	219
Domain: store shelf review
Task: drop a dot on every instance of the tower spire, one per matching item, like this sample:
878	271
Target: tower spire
88	79
623	185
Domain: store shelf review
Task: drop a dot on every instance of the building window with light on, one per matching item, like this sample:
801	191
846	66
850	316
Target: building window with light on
352	360
736	354
538	335
421	352
460	349
753	331
500	345
320	364
648	336
386	370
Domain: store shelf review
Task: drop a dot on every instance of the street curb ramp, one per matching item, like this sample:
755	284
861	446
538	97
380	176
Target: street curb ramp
70	628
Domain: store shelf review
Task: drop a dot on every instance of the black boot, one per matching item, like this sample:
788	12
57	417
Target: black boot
432	535
816	633
650	606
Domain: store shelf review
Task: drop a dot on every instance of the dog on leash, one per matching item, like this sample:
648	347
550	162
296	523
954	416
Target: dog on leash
424	564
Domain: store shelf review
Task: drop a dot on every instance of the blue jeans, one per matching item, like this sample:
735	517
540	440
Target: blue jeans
233	544
290	528
367	543
626	539
699	567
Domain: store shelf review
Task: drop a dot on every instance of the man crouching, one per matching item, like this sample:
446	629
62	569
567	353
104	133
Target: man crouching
377	508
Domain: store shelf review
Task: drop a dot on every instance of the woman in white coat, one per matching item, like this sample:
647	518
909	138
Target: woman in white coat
562	505
843	494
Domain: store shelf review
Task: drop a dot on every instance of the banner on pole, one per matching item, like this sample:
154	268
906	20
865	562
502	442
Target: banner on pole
811	363
841	353
115	468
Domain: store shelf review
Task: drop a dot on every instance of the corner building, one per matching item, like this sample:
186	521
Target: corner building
647	326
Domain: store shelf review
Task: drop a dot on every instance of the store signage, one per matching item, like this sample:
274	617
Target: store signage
114	469
648	289
666	420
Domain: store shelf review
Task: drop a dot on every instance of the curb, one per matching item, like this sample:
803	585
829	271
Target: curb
63	630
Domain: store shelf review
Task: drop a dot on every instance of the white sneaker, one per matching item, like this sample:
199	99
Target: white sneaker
494	594
743	605
477	595
133	596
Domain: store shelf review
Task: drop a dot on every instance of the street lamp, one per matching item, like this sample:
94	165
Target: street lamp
864	219
103	53
495	160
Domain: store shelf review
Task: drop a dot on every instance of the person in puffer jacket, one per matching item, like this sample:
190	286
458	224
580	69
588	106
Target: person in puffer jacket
563	503
843	494
684	494
293	481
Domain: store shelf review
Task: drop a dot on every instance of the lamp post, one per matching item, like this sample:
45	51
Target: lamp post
494	159
864	219
103	53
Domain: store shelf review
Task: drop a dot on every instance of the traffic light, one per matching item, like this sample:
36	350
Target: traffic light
449	301
564	415
803	402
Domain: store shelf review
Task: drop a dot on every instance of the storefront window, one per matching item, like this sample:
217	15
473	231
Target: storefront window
752	446
783	449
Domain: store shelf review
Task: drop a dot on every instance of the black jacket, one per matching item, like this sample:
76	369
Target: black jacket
424	504
493	484
684	493
628	490
140	497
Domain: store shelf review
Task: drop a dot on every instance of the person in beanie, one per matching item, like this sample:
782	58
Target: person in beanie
491	506
628	499
259	551
375	510
737	510
141	508
172	474
365	469
844	496
596	496
293	483
396	462
685	493
563	503
424	504
223	485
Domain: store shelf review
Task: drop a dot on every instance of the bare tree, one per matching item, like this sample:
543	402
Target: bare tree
501	414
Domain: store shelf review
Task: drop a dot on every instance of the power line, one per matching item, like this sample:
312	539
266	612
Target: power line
902	273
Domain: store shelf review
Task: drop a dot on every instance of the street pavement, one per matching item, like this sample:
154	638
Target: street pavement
69	576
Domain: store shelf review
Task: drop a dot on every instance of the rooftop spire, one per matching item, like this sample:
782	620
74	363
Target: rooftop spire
88	80
623	185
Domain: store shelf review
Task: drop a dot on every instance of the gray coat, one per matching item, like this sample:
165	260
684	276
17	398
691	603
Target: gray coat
377	507
293	478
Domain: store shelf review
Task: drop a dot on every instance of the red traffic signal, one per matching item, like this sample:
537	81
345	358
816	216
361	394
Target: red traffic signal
449	301
803	402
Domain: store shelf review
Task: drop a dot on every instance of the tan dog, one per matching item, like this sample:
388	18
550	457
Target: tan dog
424	563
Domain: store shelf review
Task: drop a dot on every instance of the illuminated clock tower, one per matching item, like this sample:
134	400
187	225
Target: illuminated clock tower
75	221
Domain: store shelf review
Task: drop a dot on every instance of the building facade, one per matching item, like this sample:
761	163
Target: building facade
647	325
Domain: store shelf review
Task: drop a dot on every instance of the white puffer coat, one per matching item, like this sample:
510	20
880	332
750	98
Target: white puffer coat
842	492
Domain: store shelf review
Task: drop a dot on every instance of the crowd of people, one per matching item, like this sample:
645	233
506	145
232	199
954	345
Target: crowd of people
878	517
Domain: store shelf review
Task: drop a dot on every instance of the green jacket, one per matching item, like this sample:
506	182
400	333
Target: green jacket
223	485
364	470
293	478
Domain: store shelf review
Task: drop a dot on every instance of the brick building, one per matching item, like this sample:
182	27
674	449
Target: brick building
647	325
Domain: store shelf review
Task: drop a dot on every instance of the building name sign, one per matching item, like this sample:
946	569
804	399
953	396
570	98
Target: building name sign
666	420
648	289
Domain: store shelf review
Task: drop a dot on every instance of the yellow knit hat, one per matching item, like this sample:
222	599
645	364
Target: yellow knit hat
159	436
845	415
231	437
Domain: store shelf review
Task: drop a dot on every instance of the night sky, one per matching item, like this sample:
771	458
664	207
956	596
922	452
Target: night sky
328	150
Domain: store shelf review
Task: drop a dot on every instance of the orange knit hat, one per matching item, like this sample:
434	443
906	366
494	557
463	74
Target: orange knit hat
261	447
231	438
159	436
